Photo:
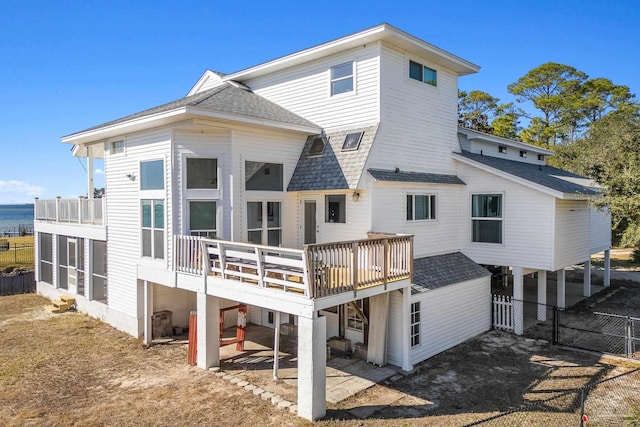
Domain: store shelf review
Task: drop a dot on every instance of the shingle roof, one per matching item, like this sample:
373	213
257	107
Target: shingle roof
547	176
334	169
226	98
419	177
442	270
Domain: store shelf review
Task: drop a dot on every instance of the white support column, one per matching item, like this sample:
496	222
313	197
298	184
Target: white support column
542	295
518	293
148	312
406	329
90	184
276	346
312	362
586	289
208	331
607	268
561	289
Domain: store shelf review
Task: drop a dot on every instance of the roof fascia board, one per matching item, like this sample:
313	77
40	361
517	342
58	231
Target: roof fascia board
471	135
526	183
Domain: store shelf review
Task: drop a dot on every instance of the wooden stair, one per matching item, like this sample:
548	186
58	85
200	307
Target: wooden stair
60	306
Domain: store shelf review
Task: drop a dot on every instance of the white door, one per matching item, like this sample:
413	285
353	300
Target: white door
72	270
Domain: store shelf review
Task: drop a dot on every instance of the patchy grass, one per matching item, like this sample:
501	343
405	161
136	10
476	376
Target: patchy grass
620	259
21	254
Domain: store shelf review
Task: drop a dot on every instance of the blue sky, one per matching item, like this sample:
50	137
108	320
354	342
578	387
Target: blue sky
69	65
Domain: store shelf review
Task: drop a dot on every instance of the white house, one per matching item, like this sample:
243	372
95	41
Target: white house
330	189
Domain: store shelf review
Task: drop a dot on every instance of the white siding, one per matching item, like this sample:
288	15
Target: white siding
600	229
513	153
418	129
451	315
432	237
123	215
527	222
305	89
395	331
572	225
179	302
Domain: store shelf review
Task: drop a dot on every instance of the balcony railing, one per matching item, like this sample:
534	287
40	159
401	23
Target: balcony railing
80	210
316	271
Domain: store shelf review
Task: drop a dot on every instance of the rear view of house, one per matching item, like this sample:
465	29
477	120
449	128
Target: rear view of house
330	190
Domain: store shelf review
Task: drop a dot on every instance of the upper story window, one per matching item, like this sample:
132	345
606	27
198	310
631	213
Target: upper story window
318	142
116	147
486	218
202	173
352	141
541	157
502	149
263	176
202	218
335	208
342	78
523	154
421	207
152	175
153	228
423	73
264	223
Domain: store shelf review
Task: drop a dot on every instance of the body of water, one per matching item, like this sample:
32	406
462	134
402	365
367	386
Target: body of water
14	216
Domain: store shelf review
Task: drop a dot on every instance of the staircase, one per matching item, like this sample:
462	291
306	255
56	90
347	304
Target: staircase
61	305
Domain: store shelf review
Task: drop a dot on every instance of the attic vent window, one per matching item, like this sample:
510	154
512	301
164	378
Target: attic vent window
352	141
502	149
116	147
318	142
541	157
523	154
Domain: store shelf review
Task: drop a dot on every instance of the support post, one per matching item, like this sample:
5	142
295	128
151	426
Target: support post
607	268
90	185
148	313
406	329
276	346
586	289
208	331
312	362
542	295
561	289
518	293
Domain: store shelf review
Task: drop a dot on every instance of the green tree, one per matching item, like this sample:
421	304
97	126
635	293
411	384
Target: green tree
554	89
475	109
600	96
507	121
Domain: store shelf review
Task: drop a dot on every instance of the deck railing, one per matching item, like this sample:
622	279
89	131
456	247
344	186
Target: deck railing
316	271
80	210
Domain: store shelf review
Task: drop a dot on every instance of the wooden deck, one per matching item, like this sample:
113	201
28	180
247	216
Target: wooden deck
313	272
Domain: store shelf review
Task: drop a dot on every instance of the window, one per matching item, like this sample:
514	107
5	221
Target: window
352	141
152	175
523	154
263	176
342	78
153	229
202	219
99	273
423	73
354	321
541	157
45	245
259	231
63	262
486	218
335	208
502	149
318	143
421	207
202	173
116	147
415	324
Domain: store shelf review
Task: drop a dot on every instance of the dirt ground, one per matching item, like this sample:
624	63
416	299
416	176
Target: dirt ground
73	370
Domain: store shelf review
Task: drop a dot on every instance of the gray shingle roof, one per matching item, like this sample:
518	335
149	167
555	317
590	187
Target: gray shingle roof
334	169
226	98
442	270
547	176
419	177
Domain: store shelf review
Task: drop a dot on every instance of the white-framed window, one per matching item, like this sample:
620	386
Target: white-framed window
152	228
352	141
502	149
45	247
342	78
415	324
99	270
486	218
354	321
523	154
263	176
116	147
203	219
422	73
421	207
264	223
335	208
152	175
202	173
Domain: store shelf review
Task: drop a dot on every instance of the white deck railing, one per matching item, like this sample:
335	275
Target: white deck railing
80	210
315	271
